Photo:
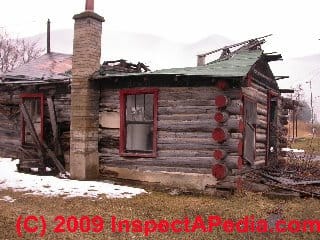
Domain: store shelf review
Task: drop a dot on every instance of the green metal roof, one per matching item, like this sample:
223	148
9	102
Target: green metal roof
236	66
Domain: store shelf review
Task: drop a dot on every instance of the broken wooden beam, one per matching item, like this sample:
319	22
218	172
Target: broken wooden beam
41	145
54	126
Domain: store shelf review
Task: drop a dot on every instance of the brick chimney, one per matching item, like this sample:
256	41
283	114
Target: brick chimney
84	158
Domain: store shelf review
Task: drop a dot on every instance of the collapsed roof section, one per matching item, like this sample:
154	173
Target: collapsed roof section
235	61
50	67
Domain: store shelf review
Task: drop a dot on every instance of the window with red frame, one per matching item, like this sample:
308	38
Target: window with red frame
138	128
34	103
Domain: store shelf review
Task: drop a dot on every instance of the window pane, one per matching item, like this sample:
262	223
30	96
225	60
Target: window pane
139	137
130	107
139	122
139	116
148	107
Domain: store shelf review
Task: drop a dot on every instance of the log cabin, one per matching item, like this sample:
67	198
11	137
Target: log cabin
195	127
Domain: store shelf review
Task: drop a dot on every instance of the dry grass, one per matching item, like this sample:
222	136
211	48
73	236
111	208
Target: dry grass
310	145
155	206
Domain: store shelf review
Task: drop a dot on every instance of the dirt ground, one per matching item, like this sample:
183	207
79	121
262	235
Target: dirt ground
157	206
154	205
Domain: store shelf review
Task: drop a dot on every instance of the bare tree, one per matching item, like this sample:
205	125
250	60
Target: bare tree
16	51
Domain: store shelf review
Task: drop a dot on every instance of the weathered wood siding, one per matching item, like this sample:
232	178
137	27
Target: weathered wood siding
258	94
185	125
10	118
261	83
10	122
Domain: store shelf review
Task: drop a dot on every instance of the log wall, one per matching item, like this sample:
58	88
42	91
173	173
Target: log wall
259	94
185	125
10	118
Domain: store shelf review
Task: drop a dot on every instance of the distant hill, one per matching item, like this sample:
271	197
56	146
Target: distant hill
153	50
161	53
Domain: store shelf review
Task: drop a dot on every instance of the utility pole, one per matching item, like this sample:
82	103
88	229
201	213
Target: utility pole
312	126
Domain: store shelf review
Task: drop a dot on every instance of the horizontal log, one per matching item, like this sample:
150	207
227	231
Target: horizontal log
255	94
261	152
103	106
261	137
186	102
236	135
186	117
233	162
189	126
183	93
233	146
186	110
9	132
262	124
260	163
201	137
114	152
172	125
260	145
162	134
184	153
235	107
259	87
262	117
185	146
164	162
13	141
104	169
262	109
108	141
260	158
109	132
261	130
192	140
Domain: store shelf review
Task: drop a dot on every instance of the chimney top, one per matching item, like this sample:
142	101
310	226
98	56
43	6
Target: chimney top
48	36
90	5
89	13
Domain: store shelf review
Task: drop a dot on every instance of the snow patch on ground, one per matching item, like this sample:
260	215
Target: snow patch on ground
292	150
53	186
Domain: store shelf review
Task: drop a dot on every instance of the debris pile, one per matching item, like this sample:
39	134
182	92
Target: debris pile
299	176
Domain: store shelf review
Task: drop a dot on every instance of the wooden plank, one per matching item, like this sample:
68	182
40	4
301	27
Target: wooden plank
54	158
31	127
55	131
40	144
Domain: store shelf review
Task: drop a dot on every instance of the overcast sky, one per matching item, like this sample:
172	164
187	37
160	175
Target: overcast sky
295	24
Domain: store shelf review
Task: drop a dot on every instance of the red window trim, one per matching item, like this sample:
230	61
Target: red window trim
123	134
24	96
